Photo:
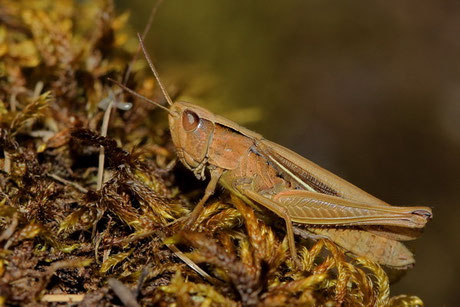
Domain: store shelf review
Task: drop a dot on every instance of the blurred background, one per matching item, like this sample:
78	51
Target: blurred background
368	90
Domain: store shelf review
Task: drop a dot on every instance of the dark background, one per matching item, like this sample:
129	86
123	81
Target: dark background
368	89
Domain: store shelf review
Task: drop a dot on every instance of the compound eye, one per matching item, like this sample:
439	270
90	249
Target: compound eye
190	120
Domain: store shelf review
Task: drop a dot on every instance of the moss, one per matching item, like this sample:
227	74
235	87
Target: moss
63	235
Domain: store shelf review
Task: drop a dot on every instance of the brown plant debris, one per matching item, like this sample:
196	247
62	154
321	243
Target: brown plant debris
63	240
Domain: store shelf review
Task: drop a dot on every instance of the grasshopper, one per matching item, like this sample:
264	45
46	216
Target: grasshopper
265	174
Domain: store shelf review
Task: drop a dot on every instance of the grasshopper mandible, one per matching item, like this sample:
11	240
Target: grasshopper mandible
263	173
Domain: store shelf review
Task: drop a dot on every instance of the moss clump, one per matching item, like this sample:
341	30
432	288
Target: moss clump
62	236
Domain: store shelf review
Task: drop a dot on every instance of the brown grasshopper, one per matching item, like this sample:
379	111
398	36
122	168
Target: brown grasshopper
265	174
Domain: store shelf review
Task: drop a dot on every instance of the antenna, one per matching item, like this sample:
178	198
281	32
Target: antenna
152	67
141	96
144	34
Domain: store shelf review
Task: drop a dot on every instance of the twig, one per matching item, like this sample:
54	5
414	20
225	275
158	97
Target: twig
105	127
123	293
105	122
141	280
63	298
64	181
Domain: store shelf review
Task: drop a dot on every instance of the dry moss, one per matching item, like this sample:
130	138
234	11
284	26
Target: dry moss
60	235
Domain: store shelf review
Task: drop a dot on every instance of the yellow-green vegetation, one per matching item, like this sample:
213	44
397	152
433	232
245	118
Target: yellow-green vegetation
61	236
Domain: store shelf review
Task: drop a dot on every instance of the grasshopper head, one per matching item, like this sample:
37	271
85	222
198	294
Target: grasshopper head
190	126
191	131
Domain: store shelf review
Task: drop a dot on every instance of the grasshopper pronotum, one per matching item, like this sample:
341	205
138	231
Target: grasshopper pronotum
263	173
